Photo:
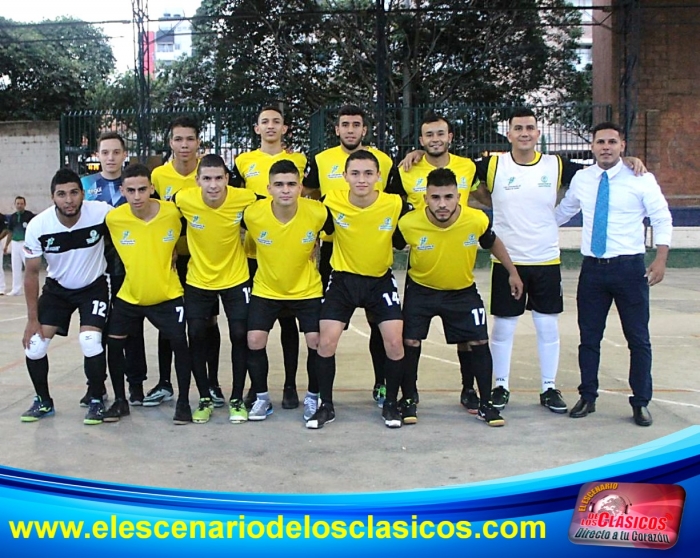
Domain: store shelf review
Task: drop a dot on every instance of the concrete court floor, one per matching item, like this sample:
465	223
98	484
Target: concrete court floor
357	453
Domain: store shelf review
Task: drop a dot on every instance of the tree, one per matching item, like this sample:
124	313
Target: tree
50	68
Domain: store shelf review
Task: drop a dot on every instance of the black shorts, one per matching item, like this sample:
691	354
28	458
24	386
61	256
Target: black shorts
264	311
542	290
462	312
203	303
57	304
168	318
348	291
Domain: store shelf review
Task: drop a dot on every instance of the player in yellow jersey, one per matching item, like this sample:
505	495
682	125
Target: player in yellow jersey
364	221
217	268
144	232
324	173
180	174
443	236
285	229
251	170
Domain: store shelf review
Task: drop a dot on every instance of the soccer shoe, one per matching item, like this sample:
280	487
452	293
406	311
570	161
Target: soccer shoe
136	395
237	412
119	409
183	413
407	408
379	394
204	411
469	400
290	397
310	405
85	400
553	400
391	415
217	396
95	413
262	408
499	397
490	415
159	394
39	410
324	415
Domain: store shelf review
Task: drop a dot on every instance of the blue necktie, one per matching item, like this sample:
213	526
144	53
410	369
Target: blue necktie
599	235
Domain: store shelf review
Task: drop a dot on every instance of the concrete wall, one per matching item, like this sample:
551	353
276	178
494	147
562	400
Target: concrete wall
29	157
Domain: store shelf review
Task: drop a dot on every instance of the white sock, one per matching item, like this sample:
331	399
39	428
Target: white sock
502	335
547	327
265	395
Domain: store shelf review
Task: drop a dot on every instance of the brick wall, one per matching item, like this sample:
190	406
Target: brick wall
29	157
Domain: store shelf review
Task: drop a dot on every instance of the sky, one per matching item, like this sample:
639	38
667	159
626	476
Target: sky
122	42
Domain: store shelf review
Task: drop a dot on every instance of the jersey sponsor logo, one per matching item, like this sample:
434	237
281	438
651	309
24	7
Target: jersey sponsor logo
387	225
195	224
335	172
309	238
420	185
340	221
423	244
94	192
544	182
511	184
251	172
94	237
238	218
262	239
126	241
49	246
471	241
170	237
462	183
168	193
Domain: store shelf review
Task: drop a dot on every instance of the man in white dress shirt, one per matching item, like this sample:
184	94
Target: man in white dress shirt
614	203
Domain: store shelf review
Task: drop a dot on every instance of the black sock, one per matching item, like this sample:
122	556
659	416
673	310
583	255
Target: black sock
183	371
165	359
96	372
238	330
135	351
409	383
289	338
312	370
39	374
213	348
465	367
394	374
117	366
326	377
258	367
197	331
377	352
482	366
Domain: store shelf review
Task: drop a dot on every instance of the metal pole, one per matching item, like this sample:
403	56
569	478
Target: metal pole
381	74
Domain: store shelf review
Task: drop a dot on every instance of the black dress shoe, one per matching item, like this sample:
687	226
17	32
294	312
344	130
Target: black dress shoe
582	408
642	416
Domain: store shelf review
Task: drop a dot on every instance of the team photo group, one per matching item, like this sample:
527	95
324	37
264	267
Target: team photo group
304	242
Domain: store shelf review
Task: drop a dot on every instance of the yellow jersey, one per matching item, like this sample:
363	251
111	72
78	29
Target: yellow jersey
218	261
286	268
146	249
325	170
440	258
363	236
414	182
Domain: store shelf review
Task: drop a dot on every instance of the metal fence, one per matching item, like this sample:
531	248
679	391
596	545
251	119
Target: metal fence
478	129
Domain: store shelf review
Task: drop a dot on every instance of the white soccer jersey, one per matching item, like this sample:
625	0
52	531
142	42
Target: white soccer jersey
524	198
75	256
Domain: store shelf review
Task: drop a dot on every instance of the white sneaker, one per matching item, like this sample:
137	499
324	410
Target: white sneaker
261	409
310	406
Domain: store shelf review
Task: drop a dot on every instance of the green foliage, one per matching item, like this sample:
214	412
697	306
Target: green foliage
46	69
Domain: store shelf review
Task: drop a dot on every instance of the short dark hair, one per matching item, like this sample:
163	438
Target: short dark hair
109	136
432	116
185	122
361	155
63	176
352	110
283	166
521	112
212	161
442	177
606	126
136	169
21	198
277	109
